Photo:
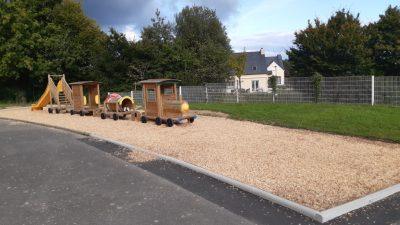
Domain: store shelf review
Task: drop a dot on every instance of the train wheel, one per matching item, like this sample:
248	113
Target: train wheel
50	110
81	113
115	116
103	116
158	121
72	112
170	122
143	119
57	111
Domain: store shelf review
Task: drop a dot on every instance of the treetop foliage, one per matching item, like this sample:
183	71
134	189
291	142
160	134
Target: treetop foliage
343	47
40	37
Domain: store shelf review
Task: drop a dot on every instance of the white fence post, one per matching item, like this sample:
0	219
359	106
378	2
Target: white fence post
206	94
237	95
372	90
180	93
132	94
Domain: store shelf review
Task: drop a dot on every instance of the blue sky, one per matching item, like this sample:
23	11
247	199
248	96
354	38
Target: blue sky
250	24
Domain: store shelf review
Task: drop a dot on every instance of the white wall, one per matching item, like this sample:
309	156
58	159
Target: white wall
262	78
247	80
277	71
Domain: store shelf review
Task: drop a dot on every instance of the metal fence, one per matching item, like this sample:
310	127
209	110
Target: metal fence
350	90
341	90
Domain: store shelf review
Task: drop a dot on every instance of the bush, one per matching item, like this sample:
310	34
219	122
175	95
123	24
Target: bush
316	82
273	82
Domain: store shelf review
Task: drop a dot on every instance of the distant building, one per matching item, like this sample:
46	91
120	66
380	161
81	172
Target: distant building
258	69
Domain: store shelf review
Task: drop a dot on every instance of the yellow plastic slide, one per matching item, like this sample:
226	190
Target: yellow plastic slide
43	100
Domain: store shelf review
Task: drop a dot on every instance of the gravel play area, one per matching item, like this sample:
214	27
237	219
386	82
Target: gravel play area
314	169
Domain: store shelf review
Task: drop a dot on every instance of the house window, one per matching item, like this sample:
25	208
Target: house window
254	67
151	95
254	85
278	80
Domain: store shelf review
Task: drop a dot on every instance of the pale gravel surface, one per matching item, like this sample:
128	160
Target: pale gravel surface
314	169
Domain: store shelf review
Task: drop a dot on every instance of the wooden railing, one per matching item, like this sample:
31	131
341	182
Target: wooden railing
67	89
53	90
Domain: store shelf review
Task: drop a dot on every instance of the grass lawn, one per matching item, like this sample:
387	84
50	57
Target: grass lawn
377	122
3	105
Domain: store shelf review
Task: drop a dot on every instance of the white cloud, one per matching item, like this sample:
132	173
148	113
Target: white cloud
130	33
273	42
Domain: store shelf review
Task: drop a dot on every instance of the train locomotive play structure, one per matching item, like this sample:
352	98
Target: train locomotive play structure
162	102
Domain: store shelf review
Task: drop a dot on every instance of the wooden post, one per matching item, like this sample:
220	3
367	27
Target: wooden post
48	83
144	96
159	100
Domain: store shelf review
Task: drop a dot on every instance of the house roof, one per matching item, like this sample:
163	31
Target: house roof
277	59
157	81
257	63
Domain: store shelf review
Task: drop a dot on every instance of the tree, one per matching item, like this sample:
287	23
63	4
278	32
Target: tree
203	46
159	33
273	82
117	64
237	62
41	37
155	51
385	42
335	48
289	72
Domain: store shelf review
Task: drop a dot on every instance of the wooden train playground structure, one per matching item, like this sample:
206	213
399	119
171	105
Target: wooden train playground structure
162	102
86	98
115	106
56	98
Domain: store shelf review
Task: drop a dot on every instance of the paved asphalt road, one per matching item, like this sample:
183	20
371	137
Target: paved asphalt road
49	176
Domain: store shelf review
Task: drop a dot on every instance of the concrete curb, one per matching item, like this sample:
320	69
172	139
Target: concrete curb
263	194
320	216
337	211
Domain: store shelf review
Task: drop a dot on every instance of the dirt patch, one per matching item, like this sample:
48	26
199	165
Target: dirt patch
314	169
210	113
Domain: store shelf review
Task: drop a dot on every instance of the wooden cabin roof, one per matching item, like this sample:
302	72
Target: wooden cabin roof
85	83
158	81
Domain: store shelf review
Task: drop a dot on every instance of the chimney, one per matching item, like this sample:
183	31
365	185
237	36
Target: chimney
262	51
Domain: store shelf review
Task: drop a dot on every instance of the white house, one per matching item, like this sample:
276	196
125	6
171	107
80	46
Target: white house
258	69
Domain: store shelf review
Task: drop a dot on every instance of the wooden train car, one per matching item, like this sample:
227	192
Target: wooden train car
83	105
162	103
116	106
